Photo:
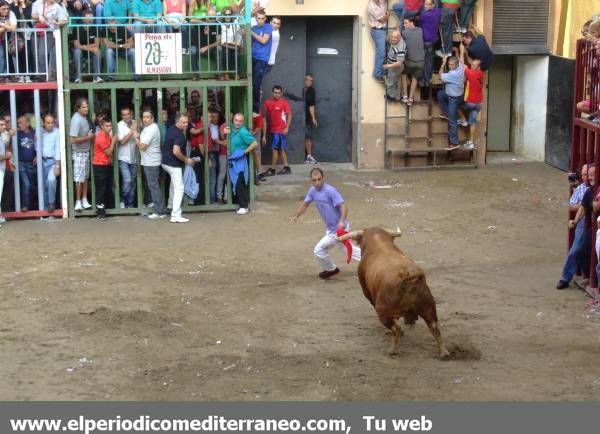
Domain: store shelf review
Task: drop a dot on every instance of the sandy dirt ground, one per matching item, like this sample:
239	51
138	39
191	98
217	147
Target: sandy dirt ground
230	307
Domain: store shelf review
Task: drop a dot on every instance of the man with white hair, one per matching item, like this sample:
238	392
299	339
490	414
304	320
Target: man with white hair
395	65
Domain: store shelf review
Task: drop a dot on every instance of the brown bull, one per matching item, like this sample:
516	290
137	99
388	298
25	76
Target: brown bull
394	284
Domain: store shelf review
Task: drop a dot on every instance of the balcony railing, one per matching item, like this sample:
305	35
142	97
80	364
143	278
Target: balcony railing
28	54
587	76
211	48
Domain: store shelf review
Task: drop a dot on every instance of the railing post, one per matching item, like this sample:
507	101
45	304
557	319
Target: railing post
206	180
38	149
15	149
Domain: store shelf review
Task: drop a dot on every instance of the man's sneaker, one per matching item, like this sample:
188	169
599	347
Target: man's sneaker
452	147
179	220
2	220
85	204
21	79
443	116
98	79
78	206
285	171
562	284
242	211
328	274
77	80
268	172
27	79
155	216
440	53
469	145
310	159
185	51
462	122
261	177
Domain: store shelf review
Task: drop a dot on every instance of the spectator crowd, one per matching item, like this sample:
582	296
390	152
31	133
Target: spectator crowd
404	57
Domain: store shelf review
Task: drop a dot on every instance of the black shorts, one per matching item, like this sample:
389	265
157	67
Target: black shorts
309	131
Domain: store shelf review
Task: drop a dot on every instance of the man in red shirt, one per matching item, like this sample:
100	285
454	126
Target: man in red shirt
473	95
279	117
104	145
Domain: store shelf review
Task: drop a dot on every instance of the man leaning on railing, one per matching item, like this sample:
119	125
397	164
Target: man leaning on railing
49	16
8	25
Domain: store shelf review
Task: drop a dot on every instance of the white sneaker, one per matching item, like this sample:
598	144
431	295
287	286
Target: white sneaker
2	220
78	206
462	122
312	159
242	211
122	205
98	79
85	204
179	220
21	79
77	80
185	51
155	216
469	145
27	79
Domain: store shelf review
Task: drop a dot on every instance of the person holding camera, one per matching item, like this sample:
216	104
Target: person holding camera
581	203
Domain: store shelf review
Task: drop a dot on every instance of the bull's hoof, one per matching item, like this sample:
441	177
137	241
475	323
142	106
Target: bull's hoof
444	354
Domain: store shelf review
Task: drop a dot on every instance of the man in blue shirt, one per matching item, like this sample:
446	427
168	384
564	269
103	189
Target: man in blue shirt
146	13
50	159
117	9
261	51
334	212
27	161
451	97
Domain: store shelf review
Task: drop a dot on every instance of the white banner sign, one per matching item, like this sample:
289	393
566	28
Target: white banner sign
158	53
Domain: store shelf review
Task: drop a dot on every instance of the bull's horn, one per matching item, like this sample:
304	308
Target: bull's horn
393	234
351	235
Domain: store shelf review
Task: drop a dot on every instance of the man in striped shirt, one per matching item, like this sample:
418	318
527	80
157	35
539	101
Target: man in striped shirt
395	65
378	14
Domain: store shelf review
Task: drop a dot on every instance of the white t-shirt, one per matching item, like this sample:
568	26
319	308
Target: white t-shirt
126	152
274	46
51	13
150	136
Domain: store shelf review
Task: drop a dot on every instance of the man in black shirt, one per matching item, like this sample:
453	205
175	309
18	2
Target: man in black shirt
173	162
118	42
86	45
310	117
478	48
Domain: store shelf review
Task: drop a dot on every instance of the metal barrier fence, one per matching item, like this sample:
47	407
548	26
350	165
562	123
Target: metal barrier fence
236	99
28	54
212	47
585	139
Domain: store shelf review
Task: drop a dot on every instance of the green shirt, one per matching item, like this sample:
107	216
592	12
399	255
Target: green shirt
199	11
240	139
221	4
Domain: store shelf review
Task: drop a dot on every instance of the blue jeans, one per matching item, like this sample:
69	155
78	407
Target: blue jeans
49	182
450	105
2	57
212	176
447	24
466	12
139	27
579	253
473	110
185	34
428	65
259	67
111	62
78	57
28	180
379	36
128	183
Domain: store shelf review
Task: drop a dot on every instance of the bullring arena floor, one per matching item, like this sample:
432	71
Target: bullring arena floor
230	307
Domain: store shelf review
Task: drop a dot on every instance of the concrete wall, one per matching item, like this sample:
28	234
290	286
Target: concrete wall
530	91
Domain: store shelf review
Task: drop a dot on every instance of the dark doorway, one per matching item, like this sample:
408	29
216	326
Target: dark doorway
323	47
559	120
